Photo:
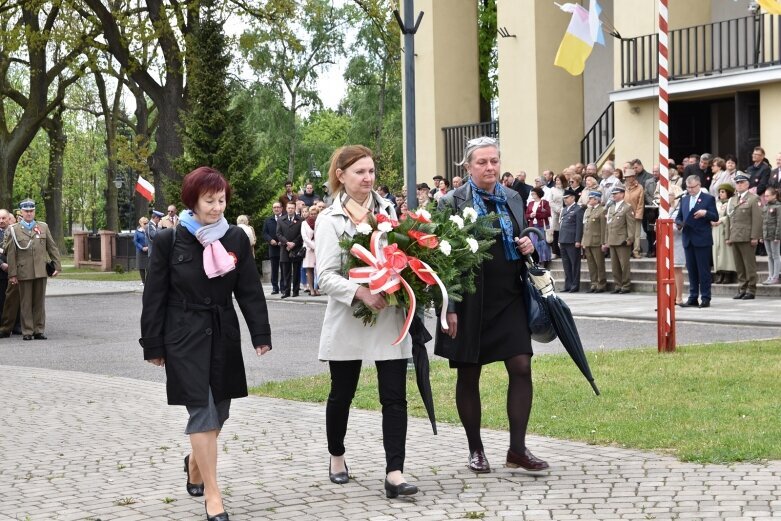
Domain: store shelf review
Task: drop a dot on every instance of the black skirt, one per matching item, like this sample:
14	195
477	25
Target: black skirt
504	331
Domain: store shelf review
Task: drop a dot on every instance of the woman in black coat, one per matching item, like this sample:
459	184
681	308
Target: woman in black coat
190	326
490	325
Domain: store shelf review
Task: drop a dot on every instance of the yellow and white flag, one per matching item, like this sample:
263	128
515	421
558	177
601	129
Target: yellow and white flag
575	47
771	6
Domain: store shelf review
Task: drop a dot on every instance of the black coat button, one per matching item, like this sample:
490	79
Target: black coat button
208	331
181	258
207	300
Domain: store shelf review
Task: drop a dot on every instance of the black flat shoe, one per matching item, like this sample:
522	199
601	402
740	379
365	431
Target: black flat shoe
222	516
4	334
39	336
27	337
195	490
402	489
340	478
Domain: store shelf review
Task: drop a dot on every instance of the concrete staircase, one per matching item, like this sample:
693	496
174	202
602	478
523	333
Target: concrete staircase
644	278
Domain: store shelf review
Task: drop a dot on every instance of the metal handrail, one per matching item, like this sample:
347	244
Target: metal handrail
456	137
598	137
744	43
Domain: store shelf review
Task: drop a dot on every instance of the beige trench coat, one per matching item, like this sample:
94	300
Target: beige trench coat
343	336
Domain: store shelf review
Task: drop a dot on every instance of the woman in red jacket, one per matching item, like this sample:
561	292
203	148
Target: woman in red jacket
538	215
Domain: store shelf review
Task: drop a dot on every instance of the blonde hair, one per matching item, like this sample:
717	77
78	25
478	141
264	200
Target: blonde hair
342	159
242	219
143	221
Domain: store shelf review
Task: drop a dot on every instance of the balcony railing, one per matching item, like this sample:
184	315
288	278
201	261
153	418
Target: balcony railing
741	43
455	141
598	138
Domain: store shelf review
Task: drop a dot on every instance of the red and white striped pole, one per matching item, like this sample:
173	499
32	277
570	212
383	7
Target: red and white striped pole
665	277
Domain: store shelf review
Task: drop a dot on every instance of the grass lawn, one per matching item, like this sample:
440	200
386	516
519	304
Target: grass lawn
712	403
69	272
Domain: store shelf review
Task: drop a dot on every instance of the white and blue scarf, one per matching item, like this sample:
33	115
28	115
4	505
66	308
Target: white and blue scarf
499	198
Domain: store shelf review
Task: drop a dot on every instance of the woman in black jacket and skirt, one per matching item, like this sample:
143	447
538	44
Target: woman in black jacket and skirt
189	324
490	325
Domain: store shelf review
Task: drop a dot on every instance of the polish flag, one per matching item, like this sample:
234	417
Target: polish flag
145	188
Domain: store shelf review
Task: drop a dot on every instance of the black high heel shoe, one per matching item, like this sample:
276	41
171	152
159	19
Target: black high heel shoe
192	489
402	489
222	516
340	478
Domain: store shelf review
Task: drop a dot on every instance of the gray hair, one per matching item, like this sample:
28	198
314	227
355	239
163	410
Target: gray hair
242	219
474	144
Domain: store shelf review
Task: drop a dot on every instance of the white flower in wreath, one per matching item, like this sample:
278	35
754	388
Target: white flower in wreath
458	220
445	247
425	213
364	228
385	227
472	243
470	214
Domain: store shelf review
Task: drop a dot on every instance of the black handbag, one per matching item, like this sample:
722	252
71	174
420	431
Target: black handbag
50	268
537	316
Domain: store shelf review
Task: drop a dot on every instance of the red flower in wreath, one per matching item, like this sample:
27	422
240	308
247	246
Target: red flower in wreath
426	240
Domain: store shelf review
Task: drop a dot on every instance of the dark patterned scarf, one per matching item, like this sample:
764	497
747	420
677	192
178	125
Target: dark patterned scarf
499	198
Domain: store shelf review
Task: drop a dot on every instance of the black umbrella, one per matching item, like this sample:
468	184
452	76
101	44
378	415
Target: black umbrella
420	336
559	312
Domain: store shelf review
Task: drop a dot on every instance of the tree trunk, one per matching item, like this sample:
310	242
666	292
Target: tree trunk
380	117
52	197
169	146
291	158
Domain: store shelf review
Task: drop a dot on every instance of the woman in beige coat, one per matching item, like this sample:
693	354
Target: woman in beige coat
345	341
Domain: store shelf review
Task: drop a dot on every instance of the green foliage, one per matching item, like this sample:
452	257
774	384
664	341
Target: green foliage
439	239
715	403
488	52
216	131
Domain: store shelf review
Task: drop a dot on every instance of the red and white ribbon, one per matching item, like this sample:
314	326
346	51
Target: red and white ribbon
383	274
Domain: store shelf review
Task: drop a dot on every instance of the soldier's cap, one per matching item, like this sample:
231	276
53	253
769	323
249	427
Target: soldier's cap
596	194
157	213
618	188
741	177
569	192
27	204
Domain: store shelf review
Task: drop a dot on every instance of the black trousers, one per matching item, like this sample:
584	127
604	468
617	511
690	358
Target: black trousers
274	272
392	384
650	234
570	259
291	274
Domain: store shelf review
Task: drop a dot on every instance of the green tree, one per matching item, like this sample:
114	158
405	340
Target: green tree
489	56
290	56
40	57
216	132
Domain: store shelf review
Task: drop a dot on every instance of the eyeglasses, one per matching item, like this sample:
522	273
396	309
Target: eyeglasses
482	141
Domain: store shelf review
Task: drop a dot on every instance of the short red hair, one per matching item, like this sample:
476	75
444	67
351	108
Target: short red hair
203	180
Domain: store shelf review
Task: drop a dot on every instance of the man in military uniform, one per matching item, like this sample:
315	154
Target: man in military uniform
594	236
570	235
742	232
620	236
31	246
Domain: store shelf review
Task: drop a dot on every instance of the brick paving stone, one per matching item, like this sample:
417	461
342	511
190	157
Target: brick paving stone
78	446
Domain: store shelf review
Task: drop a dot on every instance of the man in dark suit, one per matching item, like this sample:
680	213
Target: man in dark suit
520	186
758	172
570	235
290	244
270	236
698	211
700	168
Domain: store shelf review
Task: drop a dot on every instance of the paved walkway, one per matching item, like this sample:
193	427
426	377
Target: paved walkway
78	446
